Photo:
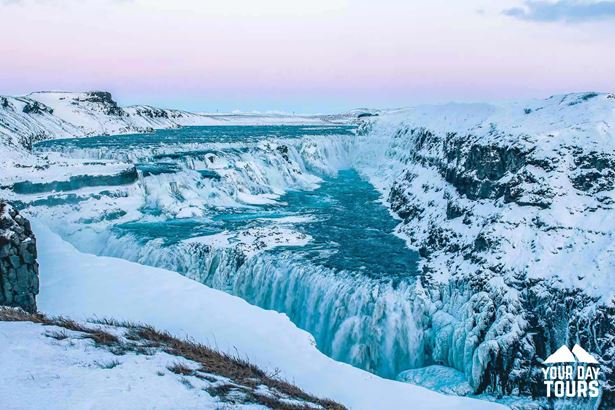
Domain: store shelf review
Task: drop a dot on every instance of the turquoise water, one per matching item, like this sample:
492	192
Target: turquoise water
351	230
194	135
351	286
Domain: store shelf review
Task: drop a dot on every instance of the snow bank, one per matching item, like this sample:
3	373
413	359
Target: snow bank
41	372
81	286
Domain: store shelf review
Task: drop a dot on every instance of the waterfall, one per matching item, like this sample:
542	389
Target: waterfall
369	323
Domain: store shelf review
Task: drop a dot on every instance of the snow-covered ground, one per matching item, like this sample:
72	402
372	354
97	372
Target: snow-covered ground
83	286
49	367
253	240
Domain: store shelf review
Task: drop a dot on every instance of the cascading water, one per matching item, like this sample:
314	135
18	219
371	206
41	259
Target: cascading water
353	285
367	323
278	217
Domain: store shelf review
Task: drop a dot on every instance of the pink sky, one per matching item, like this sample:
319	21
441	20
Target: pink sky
318	55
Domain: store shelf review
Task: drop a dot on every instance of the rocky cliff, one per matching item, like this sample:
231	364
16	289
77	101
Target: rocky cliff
18	266
511	208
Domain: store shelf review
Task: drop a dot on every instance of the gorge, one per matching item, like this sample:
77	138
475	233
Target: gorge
472	238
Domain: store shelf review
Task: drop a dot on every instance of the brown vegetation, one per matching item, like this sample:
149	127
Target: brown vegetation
244	377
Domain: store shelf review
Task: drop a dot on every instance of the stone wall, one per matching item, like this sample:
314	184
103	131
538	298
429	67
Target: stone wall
18	266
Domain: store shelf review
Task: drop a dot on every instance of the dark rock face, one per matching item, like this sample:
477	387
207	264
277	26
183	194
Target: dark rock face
152	112
492	320
283	150
18	265
367	115
104	98
595	171
34	107
480	171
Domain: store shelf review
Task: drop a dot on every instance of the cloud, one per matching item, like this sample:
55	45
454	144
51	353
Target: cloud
571	11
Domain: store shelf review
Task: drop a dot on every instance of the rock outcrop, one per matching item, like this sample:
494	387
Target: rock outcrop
511	209
18	265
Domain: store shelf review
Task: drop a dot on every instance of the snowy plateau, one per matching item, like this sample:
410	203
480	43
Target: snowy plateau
431	257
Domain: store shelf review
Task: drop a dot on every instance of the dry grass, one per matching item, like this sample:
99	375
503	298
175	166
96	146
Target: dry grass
100	337
240	371
142	339
221	390
8	314
234	368
57	334
180	368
